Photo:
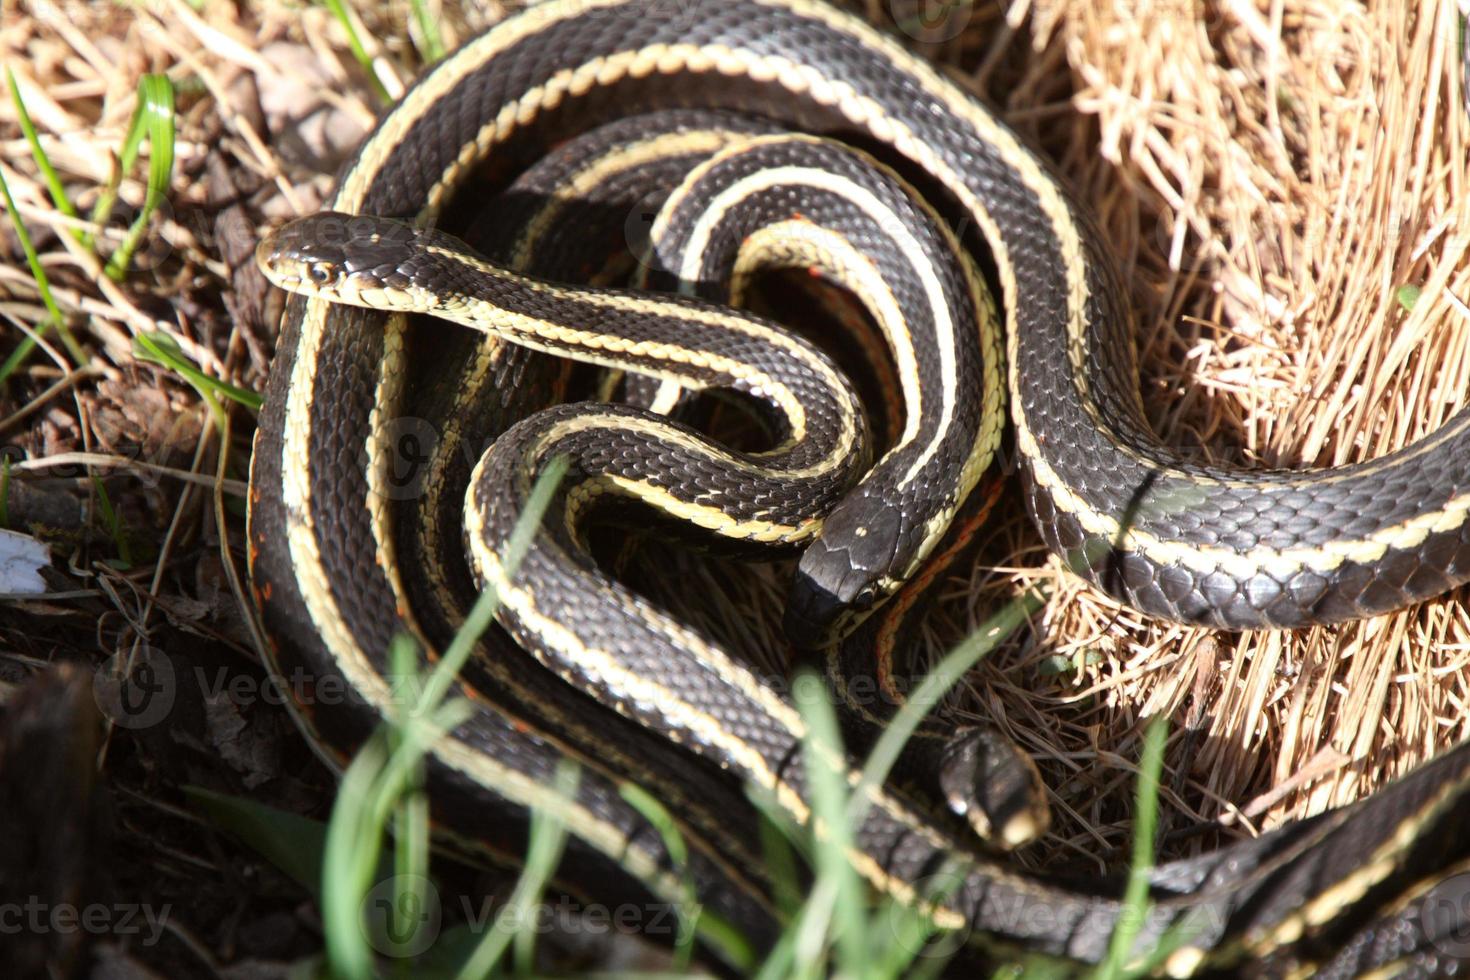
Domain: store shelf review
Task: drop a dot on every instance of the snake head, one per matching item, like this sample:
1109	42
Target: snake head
355	259
847	571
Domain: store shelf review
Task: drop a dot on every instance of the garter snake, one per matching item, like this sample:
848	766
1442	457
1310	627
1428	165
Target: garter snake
331	533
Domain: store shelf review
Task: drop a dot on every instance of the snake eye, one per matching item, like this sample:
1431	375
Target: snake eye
320	273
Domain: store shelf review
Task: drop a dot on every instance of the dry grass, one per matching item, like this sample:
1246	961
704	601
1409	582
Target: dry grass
1268	174
1273	176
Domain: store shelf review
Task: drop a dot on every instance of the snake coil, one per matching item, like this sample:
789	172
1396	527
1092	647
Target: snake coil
343	558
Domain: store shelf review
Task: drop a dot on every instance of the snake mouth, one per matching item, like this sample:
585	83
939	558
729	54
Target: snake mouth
265	251
811	613
846	572
817	617
285	271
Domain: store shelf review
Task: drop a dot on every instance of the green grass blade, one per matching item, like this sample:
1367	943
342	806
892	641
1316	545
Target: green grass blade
372	789
359	50
154	118
162	349
726	941
356	840
782	839
428	37
1135	894
410	810
291	842
38	153
5	491
837	905
127	155
389	768
480	614
931	690
543	853
351	855
894	949
548	840
43	286
113	523
781	865
655	813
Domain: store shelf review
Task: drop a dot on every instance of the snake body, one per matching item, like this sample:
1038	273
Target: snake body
335	547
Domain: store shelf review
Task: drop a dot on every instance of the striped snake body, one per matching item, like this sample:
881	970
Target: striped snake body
343	559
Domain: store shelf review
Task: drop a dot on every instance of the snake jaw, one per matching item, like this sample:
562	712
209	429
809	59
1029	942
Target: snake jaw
811	610
846	572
